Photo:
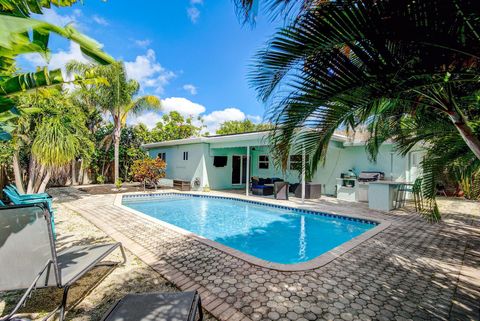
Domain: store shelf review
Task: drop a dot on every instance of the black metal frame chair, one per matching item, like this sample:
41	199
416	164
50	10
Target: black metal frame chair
181	306
29	256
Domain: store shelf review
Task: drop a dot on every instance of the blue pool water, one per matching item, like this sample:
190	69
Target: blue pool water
280	235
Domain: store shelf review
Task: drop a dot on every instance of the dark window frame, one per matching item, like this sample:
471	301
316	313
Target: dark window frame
264	162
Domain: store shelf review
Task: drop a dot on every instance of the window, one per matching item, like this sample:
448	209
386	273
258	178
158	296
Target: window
296	162
263	161
185	155
162	156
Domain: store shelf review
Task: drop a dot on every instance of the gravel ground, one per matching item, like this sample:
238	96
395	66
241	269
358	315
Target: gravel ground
93	294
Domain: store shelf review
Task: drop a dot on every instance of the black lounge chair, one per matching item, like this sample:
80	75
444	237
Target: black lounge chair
181	306
29	258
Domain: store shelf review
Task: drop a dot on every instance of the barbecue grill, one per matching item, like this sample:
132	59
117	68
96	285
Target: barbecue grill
370	176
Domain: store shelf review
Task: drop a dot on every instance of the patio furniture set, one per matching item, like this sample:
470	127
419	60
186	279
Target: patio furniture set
280	189
30	260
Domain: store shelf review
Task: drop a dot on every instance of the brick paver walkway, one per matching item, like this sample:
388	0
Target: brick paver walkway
413	270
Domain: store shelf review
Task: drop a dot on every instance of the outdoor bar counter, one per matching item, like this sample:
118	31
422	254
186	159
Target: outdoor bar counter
382	195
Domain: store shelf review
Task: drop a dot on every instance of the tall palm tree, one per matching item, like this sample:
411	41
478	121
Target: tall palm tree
117	97
342	63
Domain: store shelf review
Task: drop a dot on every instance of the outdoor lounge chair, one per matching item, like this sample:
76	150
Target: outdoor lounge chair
36	195
179	306
23	199
17	198
29	258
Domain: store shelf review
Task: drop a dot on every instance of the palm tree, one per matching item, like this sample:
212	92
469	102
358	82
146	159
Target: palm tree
118	98
20	34
446	151
51	132
340	64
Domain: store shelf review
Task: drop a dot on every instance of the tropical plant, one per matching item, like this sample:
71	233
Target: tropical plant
446	151
20	34
51	133
174	126
132	137
149	171
340	64
118	98
118	184
241	126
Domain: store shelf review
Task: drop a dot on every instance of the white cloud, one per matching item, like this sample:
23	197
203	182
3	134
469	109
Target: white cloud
100	20
143	43
193	14
51	16
193	11
188	108
58	59
183	106
148	72
215	118
190	88
149	119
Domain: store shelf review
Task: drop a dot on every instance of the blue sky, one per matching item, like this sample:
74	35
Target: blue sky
194	54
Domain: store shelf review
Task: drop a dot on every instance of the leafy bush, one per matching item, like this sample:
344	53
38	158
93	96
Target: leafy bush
100	179
148	170
118	183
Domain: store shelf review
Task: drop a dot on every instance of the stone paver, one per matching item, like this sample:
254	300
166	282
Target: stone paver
413	270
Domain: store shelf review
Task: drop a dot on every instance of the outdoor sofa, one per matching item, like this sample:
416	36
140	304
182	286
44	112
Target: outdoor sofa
263	186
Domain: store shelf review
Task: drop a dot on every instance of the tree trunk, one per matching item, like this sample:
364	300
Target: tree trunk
31	174
472	141
17	171
116	140
81	173
39	179
86	177
73	173
45	181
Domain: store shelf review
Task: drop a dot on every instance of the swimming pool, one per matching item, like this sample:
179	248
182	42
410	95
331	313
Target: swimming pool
272	233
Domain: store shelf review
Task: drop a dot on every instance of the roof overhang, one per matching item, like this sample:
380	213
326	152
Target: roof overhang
260	136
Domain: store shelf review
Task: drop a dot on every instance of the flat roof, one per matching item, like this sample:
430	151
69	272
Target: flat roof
259	135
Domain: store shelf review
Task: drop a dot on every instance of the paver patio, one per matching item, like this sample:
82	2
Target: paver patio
412	270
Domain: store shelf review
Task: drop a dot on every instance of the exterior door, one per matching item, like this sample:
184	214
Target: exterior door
239	169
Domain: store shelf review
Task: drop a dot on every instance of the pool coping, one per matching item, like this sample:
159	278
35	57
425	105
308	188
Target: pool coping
314	263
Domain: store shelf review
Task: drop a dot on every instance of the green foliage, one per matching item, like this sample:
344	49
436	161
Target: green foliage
174	126
6	152
348	63
241	126
101	179
117	96
20	34
57	131
118	183
132	137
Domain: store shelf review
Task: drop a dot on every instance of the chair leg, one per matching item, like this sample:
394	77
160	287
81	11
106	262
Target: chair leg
200	312
63	305
415	200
